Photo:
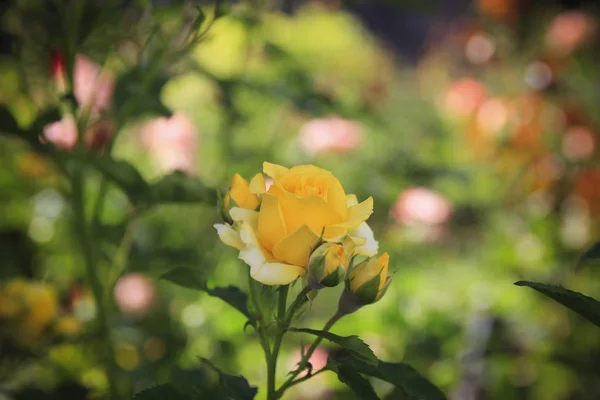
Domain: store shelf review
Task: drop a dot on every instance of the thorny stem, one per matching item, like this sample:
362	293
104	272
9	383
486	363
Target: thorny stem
259	323
304	361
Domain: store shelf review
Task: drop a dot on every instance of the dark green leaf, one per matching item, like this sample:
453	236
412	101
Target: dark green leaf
185	277
235	387
359	385
591	254
123	174
133	87
190	278
8	124
585	306
359	349
222	8
401	375
178	187
199	20
160	392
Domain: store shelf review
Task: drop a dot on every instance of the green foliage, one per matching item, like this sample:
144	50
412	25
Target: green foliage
585	306
360	386
591	255
142	88
189	278
161	392
359	349
234	387
401	375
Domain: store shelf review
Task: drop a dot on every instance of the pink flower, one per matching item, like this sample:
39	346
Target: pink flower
63	133
172	141
569	30
421	206
578	143
464	97
331	133
92	87
135	294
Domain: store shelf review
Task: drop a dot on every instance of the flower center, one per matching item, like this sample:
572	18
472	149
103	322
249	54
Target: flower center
310	187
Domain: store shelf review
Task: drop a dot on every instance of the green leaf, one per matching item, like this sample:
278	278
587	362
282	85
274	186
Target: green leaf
235	387
178	187
123	174
359	349
591	254
222	8
401	375
160	392
585	306
189	278
359	385
134	86
8	124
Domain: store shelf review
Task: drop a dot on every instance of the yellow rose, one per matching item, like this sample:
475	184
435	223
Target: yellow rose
369	280
303	203
67	325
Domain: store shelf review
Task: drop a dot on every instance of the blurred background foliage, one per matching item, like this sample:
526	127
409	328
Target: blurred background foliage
473	125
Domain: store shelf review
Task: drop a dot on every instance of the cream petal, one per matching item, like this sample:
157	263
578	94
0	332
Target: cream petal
239	214
253	256
276	273
364	233
229	236
351	200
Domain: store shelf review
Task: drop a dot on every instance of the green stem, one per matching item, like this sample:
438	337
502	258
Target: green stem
90	264
281	328
259	324
304	361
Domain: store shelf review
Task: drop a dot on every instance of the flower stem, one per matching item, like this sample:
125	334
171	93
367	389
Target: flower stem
90	263
281	328
304	361
258	324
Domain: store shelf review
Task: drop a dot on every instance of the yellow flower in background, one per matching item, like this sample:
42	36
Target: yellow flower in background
67	325
369	280
303	203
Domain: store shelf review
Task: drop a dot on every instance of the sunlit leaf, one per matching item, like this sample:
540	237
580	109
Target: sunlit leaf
585	306
359	349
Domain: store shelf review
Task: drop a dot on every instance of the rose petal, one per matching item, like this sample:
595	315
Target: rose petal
273	170
229	236
295	248
257	184
271	223
276	273
351	200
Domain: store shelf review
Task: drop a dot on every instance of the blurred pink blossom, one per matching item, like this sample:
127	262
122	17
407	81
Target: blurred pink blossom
172	141
420	205
331	133
578	143
92	88
135	294
569	30
318	360
464	97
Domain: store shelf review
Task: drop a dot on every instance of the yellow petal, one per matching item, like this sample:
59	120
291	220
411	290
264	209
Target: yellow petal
360	213
276	273
229	236
273	170
351	200
271	224
368	270
240	193
295	248
297	211
257	184
336	197
239	214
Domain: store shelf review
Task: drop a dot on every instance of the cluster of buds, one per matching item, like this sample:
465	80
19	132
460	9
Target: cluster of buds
29	310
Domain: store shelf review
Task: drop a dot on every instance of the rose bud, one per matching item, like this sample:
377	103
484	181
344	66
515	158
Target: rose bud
369	280
327	265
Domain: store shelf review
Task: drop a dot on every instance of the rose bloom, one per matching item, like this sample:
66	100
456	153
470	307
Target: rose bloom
420	205
173	142
63	134
569	30
302	203
464	97
578	143
135	294
330	134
